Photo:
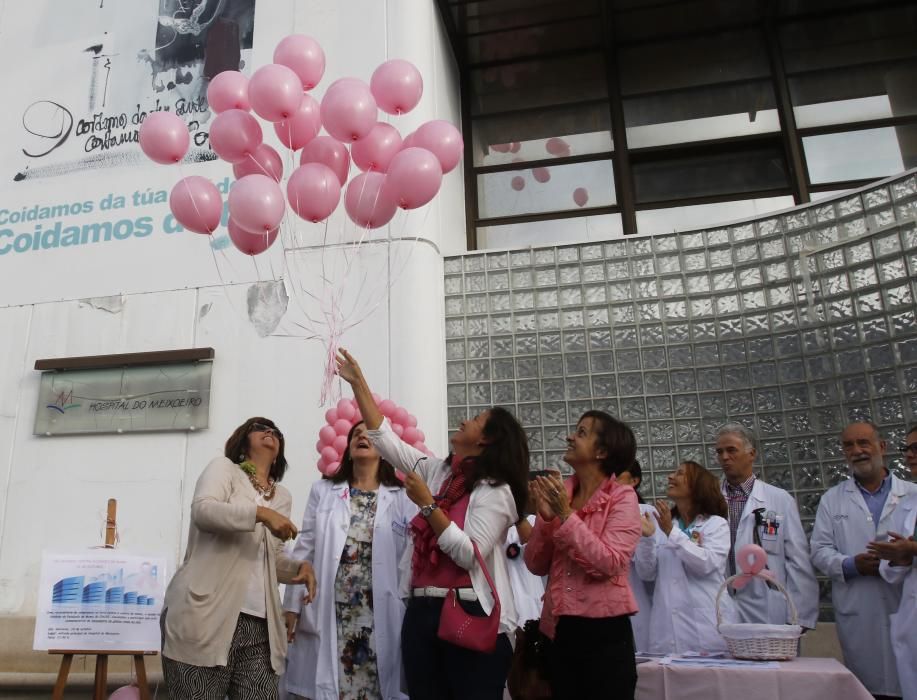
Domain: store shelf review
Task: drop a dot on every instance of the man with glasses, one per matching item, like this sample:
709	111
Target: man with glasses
850	516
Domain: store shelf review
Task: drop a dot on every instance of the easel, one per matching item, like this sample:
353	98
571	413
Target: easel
101	676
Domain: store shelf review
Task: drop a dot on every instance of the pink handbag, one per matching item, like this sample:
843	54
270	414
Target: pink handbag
470	631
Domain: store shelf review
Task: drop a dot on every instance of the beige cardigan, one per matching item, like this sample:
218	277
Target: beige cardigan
205	596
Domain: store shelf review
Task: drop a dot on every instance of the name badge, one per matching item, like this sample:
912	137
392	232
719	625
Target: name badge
399	529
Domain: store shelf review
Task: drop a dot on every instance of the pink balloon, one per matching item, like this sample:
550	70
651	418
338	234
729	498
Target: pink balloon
234	135
541	174
264	160
164	137
196	204
248	242
515	147
326	435
327	150
517	183
302	127
329	454
500	147
557	146
443	140
376	150
398	429
314	192
256	203
412	420
341	426
332	468
413	179
331	416
387	407
340	444
348	110
400	416
304	56
422	438
346	409
397	86
580	196
364	202
410	435
408	141
275	92
228	90
319	445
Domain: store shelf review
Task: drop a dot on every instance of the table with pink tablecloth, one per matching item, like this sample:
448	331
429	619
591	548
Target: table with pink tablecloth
799	679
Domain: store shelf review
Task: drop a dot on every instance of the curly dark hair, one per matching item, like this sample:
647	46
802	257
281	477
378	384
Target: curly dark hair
387	475
236	448
706	496
505	457
617	439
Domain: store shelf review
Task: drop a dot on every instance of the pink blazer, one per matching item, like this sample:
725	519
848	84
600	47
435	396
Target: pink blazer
588	556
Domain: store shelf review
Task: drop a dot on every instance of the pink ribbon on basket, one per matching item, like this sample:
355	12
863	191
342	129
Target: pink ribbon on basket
751	559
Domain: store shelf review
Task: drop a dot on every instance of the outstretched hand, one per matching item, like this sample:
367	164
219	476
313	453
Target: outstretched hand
347	367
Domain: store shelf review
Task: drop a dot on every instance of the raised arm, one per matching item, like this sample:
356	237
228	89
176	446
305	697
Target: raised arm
350	372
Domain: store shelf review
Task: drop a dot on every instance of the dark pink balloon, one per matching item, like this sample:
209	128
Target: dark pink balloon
256	203
275	92
397	86
164	137
228	90
304	56
517	183
413	179
348	110
541	174
314	192
443	140
234	135
196	203
327	150
365	204
580	196
376	150
248	242
264	160
302	127
557	147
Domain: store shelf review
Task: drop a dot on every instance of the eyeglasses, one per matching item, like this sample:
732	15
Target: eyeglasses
908	449
262	428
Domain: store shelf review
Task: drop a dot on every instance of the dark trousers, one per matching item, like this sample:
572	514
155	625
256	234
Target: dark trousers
593	658
438	670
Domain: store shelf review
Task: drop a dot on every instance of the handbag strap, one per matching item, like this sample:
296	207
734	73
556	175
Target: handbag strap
490	581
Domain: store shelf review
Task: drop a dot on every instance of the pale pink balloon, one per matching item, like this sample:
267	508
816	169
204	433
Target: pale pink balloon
196	203
500	147
234	135
248	242
517	183
346	409
515	147
557	147
413	179
332	468
264	160
443	140
400	416
340	444
164	137
228	90
302	127
541	174
376	150
580	196
408	141
341	426
397	86
348	110
327	150
398	429
256	203
387	407
319	445
422	438
314	193
275	92
326	435
331	416
364	202
304	56
410	435
330	455
412	420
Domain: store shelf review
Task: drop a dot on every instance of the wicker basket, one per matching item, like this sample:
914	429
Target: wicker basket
760	642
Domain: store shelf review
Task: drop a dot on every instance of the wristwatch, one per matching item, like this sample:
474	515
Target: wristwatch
427	511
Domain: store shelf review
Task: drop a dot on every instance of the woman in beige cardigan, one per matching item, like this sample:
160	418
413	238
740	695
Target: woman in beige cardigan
223	628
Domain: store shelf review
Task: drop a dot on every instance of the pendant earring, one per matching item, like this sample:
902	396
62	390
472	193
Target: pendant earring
241	456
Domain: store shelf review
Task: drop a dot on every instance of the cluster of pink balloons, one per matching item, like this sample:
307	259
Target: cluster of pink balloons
332	437
396	172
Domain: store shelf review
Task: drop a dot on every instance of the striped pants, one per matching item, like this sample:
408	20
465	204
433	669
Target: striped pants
247	675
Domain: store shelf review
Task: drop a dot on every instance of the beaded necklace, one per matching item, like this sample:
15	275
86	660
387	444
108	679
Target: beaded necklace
266	492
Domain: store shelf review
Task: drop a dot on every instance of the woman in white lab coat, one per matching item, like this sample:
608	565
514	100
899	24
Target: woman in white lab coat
684	550
899	555
346	644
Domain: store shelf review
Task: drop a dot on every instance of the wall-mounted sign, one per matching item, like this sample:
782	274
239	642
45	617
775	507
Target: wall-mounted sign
173	396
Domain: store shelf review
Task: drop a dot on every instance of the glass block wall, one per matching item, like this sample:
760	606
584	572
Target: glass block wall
793	324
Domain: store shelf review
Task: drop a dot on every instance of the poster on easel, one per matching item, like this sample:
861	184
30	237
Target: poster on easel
101	599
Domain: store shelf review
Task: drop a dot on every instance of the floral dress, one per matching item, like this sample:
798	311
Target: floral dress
353	594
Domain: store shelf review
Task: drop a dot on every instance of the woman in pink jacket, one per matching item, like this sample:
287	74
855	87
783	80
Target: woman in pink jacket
585	536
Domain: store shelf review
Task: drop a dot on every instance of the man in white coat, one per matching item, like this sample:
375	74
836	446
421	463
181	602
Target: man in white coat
850	516
763	514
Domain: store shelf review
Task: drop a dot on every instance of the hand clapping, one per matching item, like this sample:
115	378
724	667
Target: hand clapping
551	496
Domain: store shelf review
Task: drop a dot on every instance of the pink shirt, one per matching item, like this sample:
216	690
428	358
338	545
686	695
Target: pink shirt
588	556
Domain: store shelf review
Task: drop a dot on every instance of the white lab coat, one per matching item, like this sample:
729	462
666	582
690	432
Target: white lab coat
312	660
528	589
904	622
843	528
787	556
643	594
688	574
